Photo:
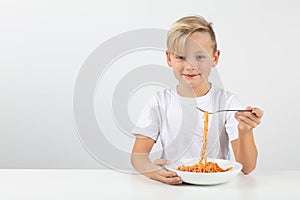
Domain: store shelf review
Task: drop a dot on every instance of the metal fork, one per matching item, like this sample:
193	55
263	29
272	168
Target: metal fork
224	110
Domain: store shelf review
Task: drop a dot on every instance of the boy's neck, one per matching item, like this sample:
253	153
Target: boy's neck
193	92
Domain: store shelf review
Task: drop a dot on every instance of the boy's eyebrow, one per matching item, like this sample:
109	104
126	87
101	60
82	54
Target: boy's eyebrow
177	54
181	53
200	51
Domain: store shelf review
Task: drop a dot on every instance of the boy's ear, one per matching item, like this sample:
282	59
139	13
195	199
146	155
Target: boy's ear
216	58
168	56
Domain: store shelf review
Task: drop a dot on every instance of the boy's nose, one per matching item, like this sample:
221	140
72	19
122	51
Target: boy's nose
190	65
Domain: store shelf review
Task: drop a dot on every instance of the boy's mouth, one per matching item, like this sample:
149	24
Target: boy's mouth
190	75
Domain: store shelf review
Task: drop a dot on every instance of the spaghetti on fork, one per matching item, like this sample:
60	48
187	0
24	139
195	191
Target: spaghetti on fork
203	166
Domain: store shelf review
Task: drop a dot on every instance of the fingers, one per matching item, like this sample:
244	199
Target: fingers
251	119
248	117
248	121
156	172
255	115
168	177
258	112
171	181
167	174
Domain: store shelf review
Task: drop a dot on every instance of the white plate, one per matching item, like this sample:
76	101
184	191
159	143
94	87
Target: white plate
206	178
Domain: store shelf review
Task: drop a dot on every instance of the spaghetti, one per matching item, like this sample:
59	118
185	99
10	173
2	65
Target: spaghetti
203	166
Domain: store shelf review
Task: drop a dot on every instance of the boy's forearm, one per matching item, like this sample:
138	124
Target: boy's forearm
246	151
141	162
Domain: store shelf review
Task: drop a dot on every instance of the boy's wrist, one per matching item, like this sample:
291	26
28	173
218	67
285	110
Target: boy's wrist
150	167
245	131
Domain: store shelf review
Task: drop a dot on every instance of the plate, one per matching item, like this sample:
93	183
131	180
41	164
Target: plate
206	178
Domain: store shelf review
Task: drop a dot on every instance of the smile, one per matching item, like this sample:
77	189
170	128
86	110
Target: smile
190	75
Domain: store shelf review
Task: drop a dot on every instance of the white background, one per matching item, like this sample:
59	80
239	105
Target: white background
44	43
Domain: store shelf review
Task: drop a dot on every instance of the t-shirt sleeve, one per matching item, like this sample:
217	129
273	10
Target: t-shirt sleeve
148	123
231	124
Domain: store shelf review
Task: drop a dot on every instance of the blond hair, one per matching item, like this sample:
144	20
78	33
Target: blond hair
184	27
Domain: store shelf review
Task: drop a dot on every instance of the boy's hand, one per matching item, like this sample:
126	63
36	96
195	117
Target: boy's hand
249	120
156	172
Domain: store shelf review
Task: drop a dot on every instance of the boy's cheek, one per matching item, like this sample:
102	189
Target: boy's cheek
178	76
176	71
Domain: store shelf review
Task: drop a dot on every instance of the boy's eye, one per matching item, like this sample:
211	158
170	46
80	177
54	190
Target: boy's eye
200	57
180	57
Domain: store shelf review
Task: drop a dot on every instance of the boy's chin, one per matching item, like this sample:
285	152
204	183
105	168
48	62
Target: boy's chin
191	81
191	85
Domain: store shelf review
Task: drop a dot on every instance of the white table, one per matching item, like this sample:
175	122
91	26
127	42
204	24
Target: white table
109	184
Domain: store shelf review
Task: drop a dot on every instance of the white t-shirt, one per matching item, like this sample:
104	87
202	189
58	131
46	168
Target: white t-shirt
180	125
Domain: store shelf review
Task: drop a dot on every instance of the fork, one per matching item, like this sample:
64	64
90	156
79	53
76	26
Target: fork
237	110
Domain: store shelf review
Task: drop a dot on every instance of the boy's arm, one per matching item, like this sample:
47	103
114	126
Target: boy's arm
244	147
245	151
142	163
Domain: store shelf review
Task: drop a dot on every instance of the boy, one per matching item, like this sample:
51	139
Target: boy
172	114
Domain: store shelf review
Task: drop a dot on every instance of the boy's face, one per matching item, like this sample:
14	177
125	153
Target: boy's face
192	63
